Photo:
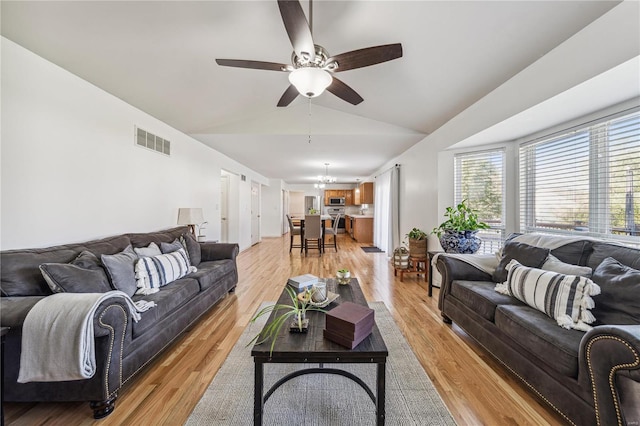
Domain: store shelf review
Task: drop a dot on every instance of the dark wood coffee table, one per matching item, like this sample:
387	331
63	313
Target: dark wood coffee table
312	347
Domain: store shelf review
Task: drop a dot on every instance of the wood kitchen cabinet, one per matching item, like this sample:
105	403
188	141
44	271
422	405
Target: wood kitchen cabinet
363	194
348	197
347	194
359	228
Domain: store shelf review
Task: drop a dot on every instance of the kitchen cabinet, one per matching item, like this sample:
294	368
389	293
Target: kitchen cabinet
347	194
360	228
363	194
348	197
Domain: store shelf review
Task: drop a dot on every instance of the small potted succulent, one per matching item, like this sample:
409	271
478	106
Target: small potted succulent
417	243
457	234
343	276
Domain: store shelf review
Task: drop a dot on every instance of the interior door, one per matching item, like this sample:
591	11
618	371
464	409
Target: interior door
255	213
224	208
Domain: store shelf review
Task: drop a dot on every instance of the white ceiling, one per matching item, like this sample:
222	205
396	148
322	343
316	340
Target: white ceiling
159	57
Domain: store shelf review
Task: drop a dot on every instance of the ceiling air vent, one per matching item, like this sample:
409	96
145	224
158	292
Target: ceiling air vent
151	141
243	178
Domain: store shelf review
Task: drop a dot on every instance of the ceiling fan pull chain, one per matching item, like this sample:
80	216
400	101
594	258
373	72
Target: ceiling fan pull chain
309	120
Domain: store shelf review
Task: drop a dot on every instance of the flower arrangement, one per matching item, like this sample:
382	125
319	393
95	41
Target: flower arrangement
296	312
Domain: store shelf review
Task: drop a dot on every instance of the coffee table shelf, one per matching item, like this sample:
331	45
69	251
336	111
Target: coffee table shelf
313	348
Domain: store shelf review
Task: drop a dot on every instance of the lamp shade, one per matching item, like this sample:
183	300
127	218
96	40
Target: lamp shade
310	81
190	216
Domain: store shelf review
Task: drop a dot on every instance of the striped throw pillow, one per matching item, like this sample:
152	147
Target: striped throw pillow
565	298
156	271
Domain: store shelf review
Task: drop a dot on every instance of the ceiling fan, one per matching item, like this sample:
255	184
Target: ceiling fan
312	68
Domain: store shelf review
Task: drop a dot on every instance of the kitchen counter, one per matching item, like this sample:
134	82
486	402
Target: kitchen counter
360	227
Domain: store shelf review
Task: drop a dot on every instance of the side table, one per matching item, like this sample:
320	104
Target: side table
417	265
431	255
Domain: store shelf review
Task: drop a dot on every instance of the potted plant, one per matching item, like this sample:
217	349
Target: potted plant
343	276
457	234
417	243
296	313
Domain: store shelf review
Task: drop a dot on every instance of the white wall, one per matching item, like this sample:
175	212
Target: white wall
425	191
71	170
272	213
296	203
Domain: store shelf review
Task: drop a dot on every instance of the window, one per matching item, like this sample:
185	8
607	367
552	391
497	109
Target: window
479	178
584	181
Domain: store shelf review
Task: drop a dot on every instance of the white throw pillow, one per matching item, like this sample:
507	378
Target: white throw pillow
556	265
565	298
156	271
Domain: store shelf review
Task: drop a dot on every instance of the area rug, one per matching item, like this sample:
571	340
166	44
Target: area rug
321	399
372	250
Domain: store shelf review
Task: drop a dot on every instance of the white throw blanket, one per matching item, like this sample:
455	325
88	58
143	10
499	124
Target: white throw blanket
58	337
484	262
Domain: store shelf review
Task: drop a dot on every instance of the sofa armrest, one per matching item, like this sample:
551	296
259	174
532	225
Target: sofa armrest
610	358
452	269
219	251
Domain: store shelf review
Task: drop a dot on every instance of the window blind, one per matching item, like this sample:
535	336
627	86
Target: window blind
584	181
479	179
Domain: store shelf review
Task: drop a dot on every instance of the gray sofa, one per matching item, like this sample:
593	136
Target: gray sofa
590	377
123	347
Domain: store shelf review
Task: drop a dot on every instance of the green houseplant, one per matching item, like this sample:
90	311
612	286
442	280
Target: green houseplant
286	314
417	243
457	233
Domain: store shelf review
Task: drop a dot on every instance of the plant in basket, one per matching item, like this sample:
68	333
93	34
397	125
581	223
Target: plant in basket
417	243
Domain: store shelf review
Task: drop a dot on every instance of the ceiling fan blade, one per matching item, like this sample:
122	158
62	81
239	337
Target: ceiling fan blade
258	65
344	92
288	96
366	57
297	28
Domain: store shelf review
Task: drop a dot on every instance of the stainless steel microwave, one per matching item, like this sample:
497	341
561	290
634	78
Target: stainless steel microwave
336	201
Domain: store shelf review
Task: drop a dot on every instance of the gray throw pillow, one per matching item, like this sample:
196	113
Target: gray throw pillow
171	247
193	248
149	251
120	269
619	298
525	254
556	265
83	275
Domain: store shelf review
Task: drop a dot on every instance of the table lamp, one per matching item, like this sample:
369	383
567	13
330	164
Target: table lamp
190	217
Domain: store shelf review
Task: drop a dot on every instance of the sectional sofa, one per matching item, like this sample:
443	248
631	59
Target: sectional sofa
588	370
123	347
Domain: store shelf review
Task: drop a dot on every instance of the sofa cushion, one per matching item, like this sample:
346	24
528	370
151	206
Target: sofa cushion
575	253
151	250
21	275
156	271
524	253
166	236
619	300
82	275
120	269
168	299
541	337
14	310
556	265
481	297
193	248
625	255
209	273
565	298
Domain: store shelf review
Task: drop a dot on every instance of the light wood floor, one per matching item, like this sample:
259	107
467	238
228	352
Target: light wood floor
476	389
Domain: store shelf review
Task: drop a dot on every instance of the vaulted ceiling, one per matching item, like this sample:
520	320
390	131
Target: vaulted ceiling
160	58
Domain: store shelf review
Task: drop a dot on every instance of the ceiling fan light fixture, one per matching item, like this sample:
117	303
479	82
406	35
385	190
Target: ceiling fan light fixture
310	81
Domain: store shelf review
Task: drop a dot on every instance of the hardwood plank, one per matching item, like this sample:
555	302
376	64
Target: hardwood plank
476	388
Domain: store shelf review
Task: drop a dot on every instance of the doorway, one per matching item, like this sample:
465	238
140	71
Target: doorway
224	208
255	213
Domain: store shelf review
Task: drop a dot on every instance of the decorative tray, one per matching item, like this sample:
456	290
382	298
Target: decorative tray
331	297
